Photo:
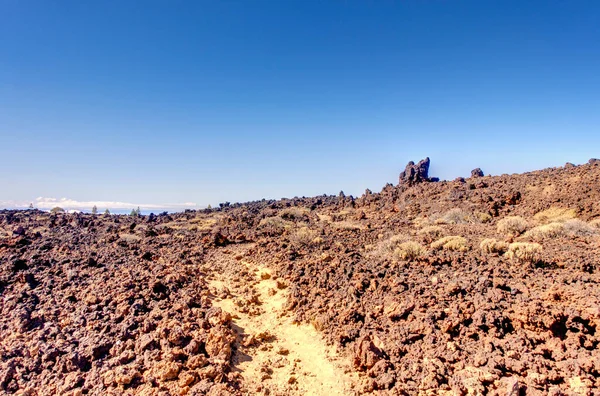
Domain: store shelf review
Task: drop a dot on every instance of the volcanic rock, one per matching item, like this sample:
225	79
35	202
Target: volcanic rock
415	173
477	172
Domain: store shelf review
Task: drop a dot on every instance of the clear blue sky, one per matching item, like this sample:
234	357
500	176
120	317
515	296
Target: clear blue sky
207	101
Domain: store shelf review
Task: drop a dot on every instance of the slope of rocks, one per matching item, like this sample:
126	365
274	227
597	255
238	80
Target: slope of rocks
484	285
97	305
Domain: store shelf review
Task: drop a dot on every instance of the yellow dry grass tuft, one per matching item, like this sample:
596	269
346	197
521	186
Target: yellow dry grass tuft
491	245
555	215
524	252
454	242
324	218
274	225
455	216
580	228
512	226
294	213
203	224
431	233
398	247
409	250
305	237
483	217
545	231
344	214
346	225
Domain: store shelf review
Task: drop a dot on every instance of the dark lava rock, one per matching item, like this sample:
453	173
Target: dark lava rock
477	172
415	173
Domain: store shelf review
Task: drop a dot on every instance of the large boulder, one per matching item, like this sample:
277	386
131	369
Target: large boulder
415	173
477	172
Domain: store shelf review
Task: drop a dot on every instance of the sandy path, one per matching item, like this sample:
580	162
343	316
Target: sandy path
288	358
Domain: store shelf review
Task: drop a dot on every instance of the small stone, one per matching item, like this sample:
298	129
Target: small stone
513	387
170	371
265	276
283	351
281	285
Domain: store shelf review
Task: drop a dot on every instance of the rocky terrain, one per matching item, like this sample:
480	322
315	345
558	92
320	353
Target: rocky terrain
486	285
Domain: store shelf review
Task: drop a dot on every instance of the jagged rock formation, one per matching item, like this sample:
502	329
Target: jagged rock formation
415	173
477	172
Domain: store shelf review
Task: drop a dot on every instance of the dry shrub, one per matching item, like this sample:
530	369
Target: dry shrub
491	245
318	323
524	251
274	225
421	222
305	237
555	215
130	238
455	216
430	233
595	223
453	242
576	227
203	224
408	251
346	225
398	248
323	217
512	225
483	217
294	213
317	241
545	231
344	214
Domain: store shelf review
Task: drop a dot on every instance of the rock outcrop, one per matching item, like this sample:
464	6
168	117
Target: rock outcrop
477	172
415	173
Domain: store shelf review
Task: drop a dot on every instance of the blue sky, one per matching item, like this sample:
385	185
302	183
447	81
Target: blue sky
210	101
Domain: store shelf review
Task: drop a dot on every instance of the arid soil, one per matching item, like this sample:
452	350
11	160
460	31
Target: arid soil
481	286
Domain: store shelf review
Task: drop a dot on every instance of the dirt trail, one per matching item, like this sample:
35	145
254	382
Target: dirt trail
273	354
